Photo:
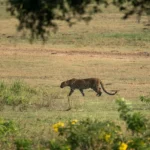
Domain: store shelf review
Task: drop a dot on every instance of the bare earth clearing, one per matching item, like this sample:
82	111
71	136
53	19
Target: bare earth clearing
125	72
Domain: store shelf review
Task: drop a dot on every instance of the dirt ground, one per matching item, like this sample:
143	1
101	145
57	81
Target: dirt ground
124	72
38	51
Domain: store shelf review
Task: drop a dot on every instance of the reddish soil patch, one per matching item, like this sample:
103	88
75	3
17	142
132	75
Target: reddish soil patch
38	51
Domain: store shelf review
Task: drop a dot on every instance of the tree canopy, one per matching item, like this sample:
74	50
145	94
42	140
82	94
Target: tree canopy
40	15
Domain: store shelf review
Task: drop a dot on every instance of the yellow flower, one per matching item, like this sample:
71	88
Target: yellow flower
57	126
107	137
74	121
123	146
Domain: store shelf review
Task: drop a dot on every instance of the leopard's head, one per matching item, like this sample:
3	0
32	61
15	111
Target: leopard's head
67	83
63	84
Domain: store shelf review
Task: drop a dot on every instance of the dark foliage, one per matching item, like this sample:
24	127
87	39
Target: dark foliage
39	15
131	7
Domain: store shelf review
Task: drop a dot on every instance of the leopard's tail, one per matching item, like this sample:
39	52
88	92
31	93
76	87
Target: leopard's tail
102	85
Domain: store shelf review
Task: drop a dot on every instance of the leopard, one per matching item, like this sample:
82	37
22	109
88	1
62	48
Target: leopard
94	83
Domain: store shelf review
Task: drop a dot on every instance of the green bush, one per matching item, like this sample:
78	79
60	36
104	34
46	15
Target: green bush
94	135
145	99
90	134
87	134
7	127
23	144
16	93
136	122
8	131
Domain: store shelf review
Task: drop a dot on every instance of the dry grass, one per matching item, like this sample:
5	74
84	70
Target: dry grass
124	72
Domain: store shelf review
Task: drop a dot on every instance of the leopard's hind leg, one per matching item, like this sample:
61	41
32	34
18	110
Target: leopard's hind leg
98	91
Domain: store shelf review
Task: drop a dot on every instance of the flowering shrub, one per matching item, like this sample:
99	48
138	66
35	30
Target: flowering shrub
58	126
88	134
123	146
93	135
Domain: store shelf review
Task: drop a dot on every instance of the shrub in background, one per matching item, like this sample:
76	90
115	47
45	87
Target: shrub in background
17	93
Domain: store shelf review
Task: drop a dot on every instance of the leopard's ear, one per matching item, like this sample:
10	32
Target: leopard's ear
73	79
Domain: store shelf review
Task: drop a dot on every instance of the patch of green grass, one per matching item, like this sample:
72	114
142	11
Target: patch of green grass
95	40
144	36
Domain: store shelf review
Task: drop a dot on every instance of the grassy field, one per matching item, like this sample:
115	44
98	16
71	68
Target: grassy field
114	50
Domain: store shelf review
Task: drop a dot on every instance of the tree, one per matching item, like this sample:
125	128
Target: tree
40	15
131	7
